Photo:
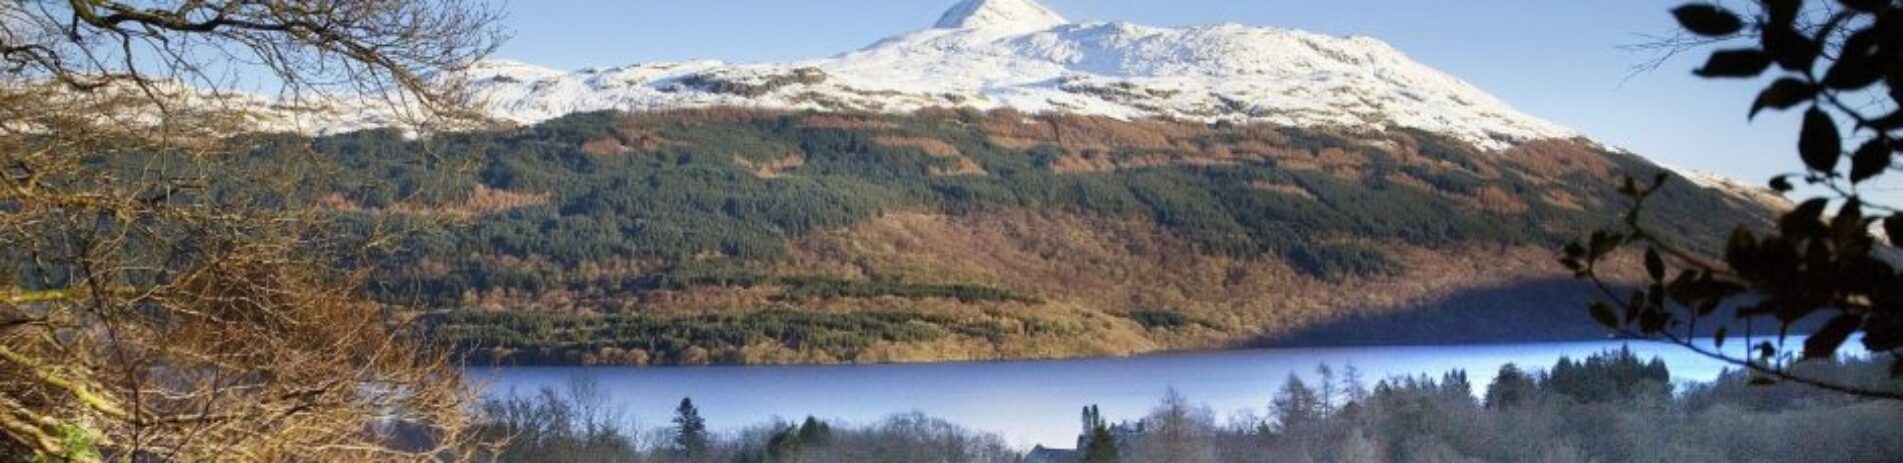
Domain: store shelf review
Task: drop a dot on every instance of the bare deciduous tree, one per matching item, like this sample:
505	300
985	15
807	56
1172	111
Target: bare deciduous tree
149	313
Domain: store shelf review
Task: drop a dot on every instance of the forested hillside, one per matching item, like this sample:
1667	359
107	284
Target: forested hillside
725	235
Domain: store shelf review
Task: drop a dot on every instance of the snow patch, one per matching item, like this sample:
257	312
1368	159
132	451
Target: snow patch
1001	15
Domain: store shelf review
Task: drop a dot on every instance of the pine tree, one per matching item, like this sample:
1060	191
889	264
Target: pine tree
784	445
1456	386
1090	419
690	431
815	432
1100	446
1510	388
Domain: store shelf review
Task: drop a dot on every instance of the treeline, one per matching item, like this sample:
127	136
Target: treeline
1608	407
577	424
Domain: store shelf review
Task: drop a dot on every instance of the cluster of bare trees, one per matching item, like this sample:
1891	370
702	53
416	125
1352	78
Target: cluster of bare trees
148	314
1607	407
579	424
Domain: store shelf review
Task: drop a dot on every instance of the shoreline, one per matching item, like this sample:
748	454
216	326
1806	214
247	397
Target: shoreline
1020	360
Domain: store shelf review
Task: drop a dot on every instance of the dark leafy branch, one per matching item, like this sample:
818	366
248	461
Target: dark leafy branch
1815	265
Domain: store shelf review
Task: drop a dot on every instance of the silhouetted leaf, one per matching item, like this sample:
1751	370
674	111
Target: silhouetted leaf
1654	264
1782	12
1887	122
1866	6
1893	81
1854	74
1824	342
1653	322
1745	62
1603	313
1781	184
1849	221
1603	243
1783	94
1870	160
1708	20
1790	49
1819	144
1718	338
1859	61
1805	220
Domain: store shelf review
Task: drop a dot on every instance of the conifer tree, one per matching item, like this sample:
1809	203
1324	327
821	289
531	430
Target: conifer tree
1100	446
1510	388
815	432
690	431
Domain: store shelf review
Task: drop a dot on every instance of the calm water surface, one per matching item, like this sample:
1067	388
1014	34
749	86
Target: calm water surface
1033	402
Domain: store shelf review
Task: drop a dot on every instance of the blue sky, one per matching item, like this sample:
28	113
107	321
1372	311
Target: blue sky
1557	59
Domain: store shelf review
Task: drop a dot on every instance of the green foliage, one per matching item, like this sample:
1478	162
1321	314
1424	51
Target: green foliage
1341	261
528	338
1164	319
79	444
1510	388
1609	376
690	432
1099	444
815	432
834	288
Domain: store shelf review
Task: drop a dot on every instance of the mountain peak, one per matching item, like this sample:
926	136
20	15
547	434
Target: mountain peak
1001	15
1018	54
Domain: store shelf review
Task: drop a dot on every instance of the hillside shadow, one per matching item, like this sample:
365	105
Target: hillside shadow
1543	310
1532	311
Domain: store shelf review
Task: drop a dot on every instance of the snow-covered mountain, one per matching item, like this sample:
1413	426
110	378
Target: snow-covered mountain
1019	54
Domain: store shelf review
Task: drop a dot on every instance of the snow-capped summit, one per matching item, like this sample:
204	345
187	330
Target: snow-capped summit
1001	16
989	54
491	70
